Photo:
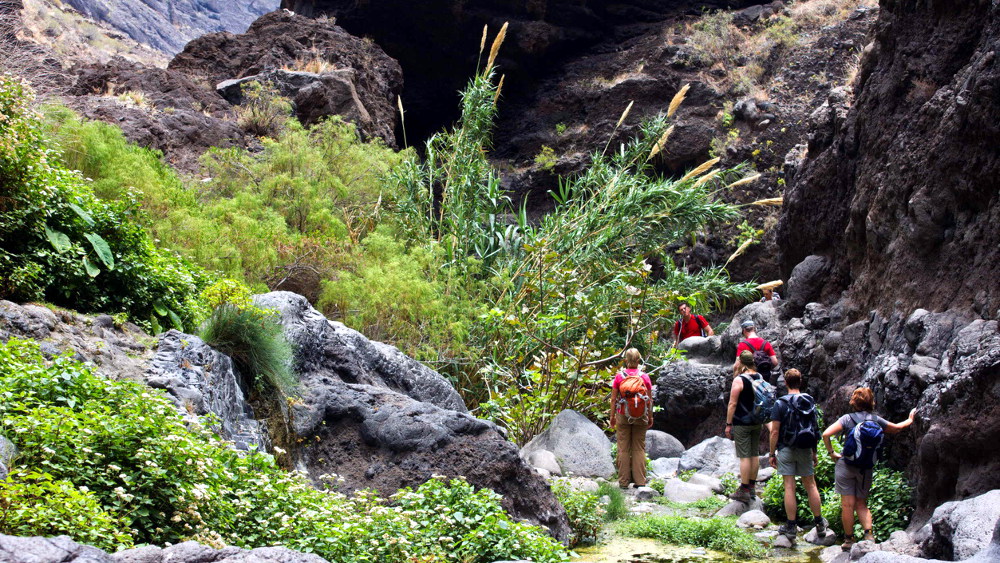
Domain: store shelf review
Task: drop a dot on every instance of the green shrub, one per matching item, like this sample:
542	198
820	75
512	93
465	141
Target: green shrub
263	111
33	504
616	508
774	492
256	342
720	534
61	244
890	502
583	510
657	485
152	479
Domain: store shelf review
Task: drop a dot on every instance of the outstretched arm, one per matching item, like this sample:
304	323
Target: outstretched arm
895	427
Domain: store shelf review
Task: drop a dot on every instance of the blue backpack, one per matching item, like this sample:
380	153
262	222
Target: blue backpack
763	400
862	443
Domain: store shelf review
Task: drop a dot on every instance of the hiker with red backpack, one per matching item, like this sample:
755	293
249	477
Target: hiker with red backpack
631	416
794	435
763	353
751	399
854	469
690	325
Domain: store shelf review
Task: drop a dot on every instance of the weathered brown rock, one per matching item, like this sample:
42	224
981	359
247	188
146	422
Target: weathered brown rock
281	40
900	189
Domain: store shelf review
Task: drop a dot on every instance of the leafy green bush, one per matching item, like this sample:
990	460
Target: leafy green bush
890	502
720	534
61	244
616	508
583	510
256	343
263	111
152	479
33	504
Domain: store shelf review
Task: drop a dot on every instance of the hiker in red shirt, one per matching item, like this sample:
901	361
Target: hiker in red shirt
690	325
763	352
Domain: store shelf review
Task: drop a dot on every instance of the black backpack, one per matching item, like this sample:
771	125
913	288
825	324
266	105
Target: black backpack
761	360
799	427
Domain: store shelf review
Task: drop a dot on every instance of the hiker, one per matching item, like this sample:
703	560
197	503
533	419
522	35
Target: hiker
690	325
762	351
631	416
770	295
863	433
744	417
794	435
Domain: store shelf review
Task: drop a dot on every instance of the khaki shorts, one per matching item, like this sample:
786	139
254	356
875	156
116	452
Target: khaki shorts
852	481
795	461
747	440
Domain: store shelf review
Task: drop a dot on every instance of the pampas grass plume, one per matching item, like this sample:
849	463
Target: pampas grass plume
700	169
496	46
678	100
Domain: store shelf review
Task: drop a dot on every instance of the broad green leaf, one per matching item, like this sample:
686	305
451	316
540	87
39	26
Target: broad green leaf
160	308
58	240
92	270
102	249
83	214
178	324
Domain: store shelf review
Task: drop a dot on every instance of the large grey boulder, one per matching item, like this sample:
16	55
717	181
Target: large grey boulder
8	451
691	396
578	444
806	282
665	467
384	421
680	491
203	381
660	444
715	456
544	459
960	529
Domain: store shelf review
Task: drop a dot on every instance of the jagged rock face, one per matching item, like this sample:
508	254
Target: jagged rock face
281	40
117	352
382	420
899	190
203	381
169	24
180	117
437	42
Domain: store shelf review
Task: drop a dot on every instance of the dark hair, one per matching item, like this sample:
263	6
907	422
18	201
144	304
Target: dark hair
793	379
862	399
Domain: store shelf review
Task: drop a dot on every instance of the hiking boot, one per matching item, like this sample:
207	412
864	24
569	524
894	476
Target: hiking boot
788	529
742	494
869	536
848	543
820	526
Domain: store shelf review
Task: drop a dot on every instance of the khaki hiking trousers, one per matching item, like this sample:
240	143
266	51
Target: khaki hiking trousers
631	451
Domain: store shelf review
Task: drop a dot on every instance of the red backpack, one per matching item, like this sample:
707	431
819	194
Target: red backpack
633	398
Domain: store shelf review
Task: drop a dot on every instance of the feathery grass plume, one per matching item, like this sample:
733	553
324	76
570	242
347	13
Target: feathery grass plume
499	87
677	100
772	201
482	42
496	47
700	169
402	119
744	181
746	244
658	146
707	177
621	119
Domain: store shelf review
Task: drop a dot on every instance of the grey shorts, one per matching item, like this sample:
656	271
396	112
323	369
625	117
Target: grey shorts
852	481
795	461
747	440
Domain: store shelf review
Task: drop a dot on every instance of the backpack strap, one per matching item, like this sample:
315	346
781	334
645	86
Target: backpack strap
701	321
751	346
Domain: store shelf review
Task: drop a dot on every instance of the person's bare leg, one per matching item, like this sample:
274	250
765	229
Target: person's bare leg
864	515
812	491
746	466
790	505
847	514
